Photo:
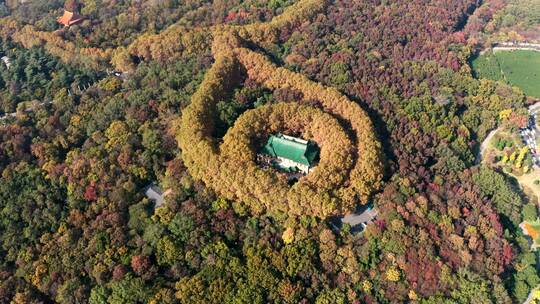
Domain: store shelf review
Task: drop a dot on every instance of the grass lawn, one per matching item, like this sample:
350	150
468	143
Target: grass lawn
519	68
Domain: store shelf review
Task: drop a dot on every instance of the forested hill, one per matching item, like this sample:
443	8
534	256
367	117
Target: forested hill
182	95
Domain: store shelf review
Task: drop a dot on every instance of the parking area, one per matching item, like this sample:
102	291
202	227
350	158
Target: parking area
529	137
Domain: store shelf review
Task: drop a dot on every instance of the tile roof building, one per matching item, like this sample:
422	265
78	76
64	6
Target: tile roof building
70	18
292	153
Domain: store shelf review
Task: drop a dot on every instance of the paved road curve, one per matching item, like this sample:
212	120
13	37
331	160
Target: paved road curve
484	145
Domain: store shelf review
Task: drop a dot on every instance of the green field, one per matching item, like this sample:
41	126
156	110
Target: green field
520	68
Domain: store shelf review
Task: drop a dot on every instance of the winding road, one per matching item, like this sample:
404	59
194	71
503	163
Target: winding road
484	145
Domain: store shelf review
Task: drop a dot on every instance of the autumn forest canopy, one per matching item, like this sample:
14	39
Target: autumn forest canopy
135	99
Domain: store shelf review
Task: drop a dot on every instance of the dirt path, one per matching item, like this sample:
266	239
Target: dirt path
484	146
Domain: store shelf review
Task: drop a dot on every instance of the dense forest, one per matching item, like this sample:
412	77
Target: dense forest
505	21
385	86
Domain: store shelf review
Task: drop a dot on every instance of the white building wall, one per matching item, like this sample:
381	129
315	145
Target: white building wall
6	61
289	163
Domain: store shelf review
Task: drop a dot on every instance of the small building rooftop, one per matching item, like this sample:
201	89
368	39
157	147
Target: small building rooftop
358	220
6	61
155	194
70	18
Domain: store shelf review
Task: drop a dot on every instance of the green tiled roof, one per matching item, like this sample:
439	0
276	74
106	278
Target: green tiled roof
297	151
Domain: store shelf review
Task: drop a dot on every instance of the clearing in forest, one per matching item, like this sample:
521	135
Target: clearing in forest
519	68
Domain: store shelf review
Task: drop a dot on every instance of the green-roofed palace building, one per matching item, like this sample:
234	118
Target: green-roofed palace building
292	154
